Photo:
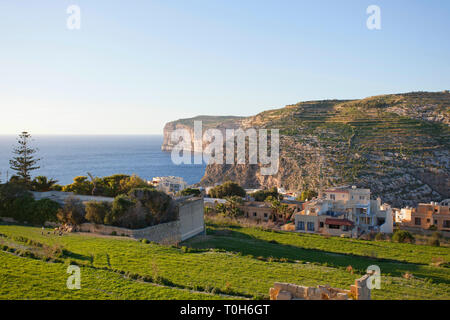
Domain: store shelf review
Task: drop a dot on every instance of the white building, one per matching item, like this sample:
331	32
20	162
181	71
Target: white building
169	184
348	210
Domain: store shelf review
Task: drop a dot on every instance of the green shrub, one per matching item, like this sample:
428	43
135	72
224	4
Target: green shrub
228	189
96	211
42	184
121	205
434	242
72	212
42	211
437	235
403	236
262	195
190	191
80	185
379	236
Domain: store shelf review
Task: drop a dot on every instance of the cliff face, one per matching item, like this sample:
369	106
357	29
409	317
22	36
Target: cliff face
208	122
396	145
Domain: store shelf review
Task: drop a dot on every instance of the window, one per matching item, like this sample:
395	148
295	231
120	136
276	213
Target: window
446	224
435	222
332	197
361	197
428	220
321	224
310	226
265	215
301	225
254	214
417	221
334	226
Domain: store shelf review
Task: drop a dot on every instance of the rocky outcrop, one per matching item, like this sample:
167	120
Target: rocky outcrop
208	122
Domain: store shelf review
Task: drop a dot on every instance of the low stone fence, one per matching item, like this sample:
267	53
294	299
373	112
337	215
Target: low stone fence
168	233
288	291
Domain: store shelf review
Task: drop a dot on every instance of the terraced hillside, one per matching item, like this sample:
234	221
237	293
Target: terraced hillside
396	145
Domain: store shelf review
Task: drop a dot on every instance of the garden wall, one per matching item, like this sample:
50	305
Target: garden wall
162	233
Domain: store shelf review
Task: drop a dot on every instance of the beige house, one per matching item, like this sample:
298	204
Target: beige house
427	215
259	211
262	212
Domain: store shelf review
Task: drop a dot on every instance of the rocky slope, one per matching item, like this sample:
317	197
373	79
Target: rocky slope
396	145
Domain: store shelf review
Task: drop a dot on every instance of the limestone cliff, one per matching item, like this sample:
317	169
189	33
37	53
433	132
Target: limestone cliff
396	145
216	122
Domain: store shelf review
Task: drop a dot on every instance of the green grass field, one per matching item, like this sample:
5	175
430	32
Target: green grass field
229	262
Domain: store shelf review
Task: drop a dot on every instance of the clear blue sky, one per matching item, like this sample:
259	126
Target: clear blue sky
135	65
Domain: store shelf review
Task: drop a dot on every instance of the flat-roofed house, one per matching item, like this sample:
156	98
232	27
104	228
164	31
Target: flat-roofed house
427	215
345	210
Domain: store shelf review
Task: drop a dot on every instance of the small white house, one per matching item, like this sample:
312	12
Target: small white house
169	184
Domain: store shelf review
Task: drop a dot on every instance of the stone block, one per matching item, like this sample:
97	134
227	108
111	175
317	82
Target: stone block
301	292
284	295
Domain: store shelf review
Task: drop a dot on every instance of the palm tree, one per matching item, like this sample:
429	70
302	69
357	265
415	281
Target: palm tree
233	204
42	184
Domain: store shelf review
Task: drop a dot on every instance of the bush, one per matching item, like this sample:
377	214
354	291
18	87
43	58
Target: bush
191	191
153	206
72	212
262	195
42	184
96	211
80	185
307	195
120	206
437	235
403	236
13	197
145	241
434	242
379	236
228	189
42	211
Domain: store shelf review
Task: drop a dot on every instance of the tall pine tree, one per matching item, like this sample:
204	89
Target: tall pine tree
24	162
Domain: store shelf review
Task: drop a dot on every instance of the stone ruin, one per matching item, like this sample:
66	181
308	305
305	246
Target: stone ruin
288	291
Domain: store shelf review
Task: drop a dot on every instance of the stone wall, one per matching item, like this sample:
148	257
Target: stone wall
190	223
168	233
191	218
288	291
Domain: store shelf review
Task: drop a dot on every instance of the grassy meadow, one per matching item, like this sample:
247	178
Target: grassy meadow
231	261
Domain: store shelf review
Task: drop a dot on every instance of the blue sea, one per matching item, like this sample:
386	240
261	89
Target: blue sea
65	157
